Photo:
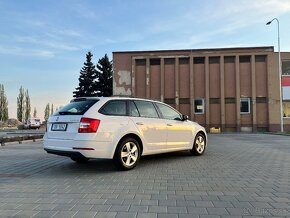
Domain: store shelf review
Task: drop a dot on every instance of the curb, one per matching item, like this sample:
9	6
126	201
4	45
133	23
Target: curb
19	139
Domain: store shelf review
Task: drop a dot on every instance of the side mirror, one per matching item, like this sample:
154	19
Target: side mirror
184	117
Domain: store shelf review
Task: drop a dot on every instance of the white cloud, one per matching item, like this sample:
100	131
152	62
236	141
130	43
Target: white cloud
19	51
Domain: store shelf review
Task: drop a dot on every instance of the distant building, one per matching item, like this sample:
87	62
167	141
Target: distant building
234	89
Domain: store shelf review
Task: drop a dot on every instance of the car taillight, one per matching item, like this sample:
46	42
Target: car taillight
88	125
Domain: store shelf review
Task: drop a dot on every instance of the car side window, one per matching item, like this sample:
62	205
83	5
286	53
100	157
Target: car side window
114	108
133	111
146	109
168	113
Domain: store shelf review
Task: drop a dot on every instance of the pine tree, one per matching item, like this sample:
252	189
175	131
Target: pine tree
46	112
87	79
35	112
27	109
104	85
20	104
3	104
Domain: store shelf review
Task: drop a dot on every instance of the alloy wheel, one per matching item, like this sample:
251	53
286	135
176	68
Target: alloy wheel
129	154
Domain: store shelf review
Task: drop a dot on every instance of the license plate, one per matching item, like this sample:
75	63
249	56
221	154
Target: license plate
58	127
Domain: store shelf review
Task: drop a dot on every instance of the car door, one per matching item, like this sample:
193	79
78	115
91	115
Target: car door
179	132
150	126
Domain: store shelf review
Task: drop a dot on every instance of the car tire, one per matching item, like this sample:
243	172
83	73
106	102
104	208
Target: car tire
199	145
80	160
127	154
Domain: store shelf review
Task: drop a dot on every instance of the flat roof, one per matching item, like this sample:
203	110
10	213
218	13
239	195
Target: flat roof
265	48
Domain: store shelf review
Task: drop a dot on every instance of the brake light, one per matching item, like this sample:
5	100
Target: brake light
88	125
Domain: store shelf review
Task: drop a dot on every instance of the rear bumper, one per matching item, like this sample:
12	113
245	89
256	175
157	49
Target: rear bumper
68	148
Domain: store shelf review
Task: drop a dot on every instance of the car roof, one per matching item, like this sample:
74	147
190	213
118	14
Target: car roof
117	98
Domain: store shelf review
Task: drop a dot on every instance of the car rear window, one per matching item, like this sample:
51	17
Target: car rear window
77	106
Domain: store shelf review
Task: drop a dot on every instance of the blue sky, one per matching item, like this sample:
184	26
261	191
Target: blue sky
43	43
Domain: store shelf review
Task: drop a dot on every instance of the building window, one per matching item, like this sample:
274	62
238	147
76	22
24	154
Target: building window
260	58
286	67
199	106
214	60
140	62
169	61
183	60
198	60
245	59
229	59
245	106
286	108
154	61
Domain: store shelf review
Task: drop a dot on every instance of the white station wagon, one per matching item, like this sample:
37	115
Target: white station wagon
122	129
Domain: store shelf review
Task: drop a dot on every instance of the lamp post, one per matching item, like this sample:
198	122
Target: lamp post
280	74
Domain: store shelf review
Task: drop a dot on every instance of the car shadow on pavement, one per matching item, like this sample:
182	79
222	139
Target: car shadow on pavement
102	166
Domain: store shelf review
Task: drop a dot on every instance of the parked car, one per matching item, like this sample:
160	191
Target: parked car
33	123
122	129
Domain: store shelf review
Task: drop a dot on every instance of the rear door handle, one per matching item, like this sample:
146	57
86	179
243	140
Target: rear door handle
168	124
139	123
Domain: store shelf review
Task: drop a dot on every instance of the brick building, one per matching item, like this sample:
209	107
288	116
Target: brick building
234	89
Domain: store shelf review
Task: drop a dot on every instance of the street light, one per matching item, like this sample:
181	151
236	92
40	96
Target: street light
280	74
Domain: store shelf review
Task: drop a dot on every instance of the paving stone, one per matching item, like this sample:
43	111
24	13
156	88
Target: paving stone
64	214
184	203
239	175
138	208
203	204
223	204
149	202
45	207
101	208
146	215
85	214
122	208
175	209
158	209
82	207
217	211
126	215
197	210
167	203
106	214
165	215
